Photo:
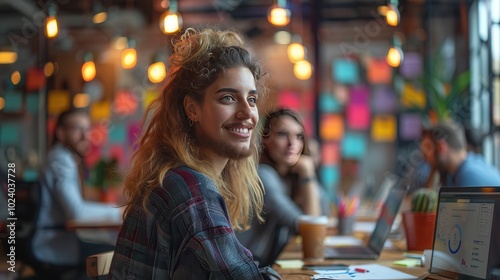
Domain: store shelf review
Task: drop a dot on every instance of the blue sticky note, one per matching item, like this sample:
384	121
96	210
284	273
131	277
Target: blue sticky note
345	71
328	103
13	102
32	103
353	145
9	134
330	177
117	133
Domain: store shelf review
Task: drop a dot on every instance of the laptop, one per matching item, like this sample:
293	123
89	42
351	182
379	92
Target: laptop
382	229
467	236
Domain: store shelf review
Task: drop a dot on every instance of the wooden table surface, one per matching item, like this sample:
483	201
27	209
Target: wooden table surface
293	251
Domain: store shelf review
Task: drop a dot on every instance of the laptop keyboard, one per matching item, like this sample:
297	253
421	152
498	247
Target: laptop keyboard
347	251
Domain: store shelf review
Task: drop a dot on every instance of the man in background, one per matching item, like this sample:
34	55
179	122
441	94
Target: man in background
444	147
61	186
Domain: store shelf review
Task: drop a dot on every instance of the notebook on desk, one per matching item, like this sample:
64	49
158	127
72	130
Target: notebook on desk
467	235
382	229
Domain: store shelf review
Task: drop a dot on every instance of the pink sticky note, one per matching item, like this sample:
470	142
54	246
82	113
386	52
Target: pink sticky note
358	116
330	153
289	99
134	132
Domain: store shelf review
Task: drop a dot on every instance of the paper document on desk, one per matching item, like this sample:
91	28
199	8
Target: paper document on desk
342	240
372	271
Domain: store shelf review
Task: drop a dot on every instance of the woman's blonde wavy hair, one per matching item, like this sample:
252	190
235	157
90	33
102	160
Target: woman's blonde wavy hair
199	57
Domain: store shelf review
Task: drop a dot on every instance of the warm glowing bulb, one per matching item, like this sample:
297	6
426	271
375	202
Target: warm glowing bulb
48	69
170	22
88	71
394	57
2	103
302	70
279	16
296	52
392	17
157	72
15	78
129	58
99	17
51	28
81	100
8	57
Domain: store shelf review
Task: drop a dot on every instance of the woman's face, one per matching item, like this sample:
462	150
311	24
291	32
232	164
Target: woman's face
285	142
225	121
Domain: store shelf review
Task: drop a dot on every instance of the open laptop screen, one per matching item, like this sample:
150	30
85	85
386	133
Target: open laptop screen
466	239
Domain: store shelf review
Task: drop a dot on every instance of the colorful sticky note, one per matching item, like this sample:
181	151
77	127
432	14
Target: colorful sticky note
410	126
378	71
9	134
35	79
148	97
32	103
100	110
413	97
93	156
359	95
358	116
330	177
330	153
134	132
341	92
331	127
384	100
345	71
58	101
126	103
353	145
117	152
289	99
411	67
117	133
384	128
328	103
13	102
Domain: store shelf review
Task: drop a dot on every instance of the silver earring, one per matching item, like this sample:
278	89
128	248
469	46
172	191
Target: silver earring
190	122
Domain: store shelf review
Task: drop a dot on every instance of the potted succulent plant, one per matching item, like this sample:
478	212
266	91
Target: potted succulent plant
420	222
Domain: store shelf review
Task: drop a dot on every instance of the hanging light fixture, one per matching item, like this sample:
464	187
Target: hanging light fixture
51	25
394	56
278	14
7	56
171	19
392	15
157	71
296	51
302	70
100	14
129	55
88	68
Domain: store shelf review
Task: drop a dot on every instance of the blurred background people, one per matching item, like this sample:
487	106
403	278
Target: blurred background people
61	186
292	189
444	147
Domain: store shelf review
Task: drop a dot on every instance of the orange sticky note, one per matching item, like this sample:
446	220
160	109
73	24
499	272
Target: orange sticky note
100	110
58	101
332	127
378	71
330	153
384	128
413	97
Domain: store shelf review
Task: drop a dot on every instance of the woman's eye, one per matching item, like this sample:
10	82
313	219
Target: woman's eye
252	100
282	134
227	98
300	136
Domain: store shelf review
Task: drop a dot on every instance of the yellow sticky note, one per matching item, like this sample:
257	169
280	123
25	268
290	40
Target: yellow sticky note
290	264
408	262
332	127
148	97
413	97
384	128
57	101
100	110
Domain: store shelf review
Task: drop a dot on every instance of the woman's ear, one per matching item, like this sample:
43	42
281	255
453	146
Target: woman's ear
191	108
60	134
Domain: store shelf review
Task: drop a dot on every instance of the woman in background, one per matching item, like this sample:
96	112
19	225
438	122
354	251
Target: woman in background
288	174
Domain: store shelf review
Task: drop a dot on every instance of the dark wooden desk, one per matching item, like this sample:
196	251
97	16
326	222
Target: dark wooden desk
293	251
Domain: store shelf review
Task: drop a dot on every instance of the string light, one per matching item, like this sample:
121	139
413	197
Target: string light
15	78
129	56
51	25
302	70
394	56
171	19
392	16
88	68
278	14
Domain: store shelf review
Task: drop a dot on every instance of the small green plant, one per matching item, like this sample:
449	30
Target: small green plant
424	201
